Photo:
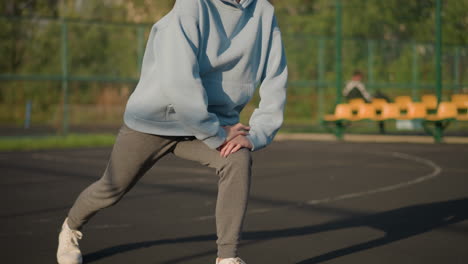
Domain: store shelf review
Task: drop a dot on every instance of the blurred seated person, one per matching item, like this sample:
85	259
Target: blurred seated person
355	88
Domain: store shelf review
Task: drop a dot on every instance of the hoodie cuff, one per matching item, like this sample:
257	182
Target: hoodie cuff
255	144
217	140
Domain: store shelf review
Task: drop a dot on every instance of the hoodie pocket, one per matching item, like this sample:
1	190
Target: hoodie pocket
170	113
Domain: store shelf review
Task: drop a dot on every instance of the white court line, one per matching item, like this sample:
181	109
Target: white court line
436	170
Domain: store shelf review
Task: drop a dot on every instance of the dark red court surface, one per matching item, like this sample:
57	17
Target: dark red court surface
310	202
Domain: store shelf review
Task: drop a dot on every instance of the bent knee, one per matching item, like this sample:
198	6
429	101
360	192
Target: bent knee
243	157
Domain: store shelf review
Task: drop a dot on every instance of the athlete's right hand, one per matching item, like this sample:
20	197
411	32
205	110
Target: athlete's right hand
236	130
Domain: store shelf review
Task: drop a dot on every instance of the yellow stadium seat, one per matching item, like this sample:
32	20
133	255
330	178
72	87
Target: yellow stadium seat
378	103
342	112
403	101
430	101
389	111
459	97
445	111
365	112
355	103
415	111
460	100
461	104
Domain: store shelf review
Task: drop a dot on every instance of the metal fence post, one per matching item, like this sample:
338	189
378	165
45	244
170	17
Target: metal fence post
321	76
370	64
338	44
438	128
140	47
27	116
415	72
64	59
456	73
438	26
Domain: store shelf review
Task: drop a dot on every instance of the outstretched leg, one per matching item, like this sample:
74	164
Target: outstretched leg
133	154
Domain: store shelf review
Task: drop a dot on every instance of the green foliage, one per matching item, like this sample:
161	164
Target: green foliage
376	19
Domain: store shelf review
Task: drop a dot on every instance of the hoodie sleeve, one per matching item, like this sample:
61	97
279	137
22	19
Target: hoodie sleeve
177	48
268	117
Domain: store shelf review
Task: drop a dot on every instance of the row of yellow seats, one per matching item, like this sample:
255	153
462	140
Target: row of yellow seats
430	100
391	111
403	102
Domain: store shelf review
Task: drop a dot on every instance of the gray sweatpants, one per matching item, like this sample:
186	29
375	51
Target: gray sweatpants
134	153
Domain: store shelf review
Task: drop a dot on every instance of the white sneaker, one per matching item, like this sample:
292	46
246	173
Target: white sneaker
230	261
68	251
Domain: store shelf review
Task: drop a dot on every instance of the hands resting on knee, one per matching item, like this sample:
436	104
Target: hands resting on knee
236	139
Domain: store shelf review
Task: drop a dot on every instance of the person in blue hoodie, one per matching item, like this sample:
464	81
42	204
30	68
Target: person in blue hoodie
202	64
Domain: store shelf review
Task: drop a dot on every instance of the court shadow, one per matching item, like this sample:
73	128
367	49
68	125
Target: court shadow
397	224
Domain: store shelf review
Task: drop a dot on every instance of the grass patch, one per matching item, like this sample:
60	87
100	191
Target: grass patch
52	142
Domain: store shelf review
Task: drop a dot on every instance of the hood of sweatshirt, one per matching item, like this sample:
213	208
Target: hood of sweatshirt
242	4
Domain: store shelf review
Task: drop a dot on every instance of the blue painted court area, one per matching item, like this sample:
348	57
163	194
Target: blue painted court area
311	202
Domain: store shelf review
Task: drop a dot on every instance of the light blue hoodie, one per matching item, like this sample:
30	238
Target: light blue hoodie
202	64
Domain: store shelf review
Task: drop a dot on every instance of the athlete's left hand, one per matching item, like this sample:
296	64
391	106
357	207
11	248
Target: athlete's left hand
234	145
